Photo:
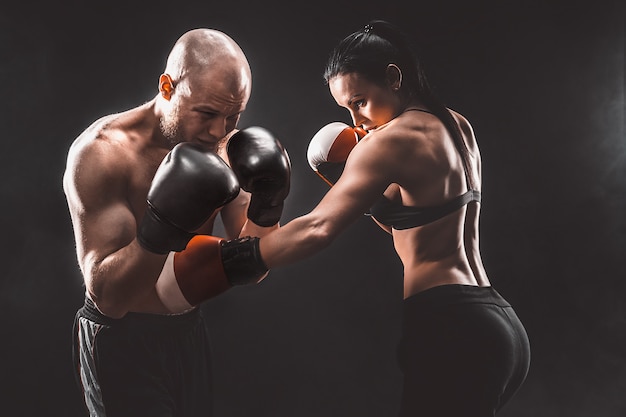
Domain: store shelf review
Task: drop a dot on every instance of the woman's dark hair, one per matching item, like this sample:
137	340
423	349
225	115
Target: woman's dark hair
370	50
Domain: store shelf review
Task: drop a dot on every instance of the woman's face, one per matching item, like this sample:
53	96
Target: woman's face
369	104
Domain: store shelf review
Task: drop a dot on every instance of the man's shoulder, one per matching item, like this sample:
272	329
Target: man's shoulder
91	145
100	150
111	135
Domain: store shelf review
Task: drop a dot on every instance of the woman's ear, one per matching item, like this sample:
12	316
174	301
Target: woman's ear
394	77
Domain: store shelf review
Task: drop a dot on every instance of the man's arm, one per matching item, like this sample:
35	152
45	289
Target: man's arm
235	220
118	272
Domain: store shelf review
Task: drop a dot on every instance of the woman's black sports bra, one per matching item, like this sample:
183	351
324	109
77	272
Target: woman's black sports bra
394	214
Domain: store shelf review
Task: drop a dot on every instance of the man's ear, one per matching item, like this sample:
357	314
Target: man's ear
166	86
394	77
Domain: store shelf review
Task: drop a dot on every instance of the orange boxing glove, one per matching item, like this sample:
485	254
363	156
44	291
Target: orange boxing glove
206	268
329	149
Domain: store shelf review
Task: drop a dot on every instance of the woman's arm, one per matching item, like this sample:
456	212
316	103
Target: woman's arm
366	175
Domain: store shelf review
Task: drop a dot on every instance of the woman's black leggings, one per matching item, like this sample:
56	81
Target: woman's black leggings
464	352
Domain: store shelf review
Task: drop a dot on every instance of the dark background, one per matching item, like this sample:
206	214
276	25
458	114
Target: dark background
543	85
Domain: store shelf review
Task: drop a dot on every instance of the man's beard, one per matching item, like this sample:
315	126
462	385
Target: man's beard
170	126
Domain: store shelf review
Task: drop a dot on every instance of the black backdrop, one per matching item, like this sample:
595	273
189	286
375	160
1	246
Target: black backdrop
543	85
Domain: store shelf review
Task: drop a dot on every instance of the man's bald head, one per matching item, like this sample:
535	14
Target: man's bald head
200	51
205	88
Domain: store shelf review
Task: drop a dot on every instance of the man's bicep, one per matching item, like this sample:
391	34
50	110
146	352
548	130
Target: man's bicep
102	218
103	230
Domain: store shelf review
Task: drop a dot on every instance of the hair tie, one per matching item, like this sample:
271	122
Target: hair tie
368	28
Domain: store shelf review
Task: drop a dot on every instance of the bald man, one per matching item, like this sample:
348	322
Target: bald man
136	353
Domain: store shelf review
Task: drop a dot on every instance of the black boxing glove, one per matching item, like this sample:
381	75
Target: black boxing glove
189	185
263	169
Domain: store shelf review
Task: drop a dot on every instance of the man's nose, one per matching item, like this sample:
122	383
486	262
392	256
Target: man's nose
217	128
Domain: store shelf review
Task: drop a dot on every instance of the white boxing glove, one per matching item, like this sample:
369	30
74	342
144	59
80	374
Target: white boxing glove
329	149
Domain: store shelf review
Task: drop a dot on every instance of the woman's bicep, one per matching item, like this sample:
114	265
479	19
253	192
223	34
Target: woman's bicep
362	182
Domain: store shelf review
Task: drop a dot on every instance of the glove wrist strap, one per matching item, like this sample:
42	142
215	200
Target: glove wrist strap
242	260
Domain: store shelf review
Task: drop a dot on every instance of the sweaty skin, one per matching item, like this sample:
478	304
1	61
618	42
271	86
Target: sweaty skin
409	156
201	95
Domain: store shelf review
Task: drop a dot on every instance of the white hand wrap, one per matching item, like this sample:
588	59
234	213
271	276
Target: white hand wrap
193	275
168	290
